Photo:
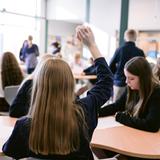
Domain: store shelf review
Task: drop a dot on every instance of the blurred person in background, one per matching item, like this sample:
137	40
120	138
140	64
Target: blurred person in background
124	53
29	54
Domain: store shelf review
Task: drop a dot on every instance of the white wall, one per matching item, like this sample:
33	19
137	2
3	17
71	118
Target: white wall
105	14
61	28
73	10
144	14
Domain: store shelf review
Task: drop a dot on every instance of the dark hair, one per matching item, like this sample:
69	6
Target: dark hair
11	72
57	46
140	67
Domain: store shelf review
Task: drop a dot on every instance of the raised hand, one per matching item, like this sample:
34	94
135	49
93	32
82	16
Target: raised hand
85	34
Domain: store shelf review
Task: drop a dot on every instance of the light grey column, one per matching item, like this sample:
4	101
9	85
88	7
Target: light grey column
88	3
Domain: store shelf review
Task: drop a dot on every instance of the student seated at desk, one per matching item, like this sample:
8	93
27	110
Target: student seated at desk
10	75
59	127
21	103
139	106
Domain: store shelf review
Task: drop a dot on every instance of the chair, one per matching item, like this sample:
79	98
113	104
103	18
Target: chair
10	93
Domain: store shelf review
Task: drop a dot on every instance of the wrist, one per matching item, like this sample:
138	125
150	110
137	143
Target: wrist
95	51
92	46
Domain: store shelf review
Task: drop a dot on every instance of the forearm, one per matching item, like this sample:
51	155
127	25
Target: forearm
95	51
145	124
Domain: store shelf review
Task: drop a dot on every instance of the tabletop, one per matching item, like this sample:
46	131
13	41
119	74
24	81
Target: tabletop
109	135
84	77
113	136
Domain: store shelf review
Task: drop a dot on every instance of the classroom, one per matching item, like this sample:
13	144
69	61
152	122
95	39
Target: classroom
80	79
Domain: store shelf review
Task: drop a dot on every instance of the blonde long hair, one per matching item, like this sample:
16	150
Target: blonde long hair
56	119
42	58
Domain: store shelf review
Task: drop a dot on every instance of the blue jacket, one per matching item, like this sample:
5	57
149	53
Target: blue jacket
17	145
120	57
91	70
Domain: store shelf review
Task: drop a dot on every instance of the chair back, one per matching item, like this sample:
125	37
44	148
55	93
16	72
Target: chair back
10	93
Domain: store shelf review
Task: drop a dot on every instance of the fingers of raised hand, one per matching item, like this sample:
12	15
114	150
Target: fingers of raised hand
82	32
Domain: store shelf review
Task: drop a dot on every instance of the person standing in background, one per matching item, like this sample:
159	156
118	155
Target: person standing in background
29	54
120	57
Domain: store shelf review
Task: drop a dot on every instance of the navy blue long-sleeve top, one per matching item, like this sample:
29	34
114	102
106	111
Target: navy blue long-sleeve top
21	103
17	145
91	70
149	120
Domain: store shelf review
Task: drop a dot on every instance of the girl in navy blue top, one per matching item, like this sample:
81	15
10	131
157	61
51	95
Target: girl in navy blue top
58	126
139	106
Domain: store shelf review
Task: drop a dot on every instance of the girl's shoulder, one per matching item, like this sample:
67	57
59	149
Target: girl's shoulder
23	121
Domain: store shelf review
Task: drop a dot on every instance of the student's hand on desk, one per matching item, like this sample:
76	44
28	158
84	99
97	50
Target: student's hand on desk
121	116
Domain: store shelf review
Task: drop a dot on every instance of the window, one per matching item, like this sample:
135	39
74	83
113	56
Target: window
18	20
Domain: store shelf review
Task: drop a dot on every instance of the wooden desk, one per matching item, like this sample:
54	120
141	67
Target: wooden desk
6	127
83	77
126	140
108	135
7	121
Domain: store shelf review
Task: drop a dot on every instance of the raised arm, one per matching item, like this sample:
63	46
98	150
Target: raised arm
102	90
85	35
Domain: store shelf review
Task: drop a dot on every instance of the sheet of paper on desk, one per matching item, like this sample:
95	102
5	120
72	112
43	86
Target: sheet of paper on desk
107	122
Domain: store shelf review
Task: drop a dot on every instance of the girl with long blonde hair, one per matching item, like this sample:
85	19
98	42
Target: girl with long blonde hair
61	127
